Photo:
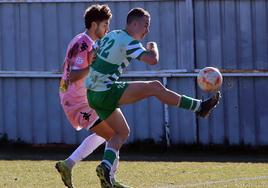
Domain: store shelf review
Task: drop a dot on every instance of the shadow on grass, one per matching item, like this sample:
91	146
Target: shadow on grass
140	151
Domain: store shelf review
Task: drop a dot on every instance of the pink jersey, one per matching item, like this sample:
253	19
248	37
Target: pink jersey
73	95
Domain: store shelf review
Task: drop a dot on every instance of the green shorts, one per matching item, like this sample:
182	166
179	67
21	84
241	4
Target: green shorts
105	102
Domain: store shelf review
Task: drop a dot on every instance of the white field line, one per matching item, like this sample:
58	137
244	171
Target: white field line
216	182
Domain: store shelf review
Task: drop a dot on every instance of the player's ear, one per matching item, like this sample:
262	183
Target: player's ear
94	25
133	23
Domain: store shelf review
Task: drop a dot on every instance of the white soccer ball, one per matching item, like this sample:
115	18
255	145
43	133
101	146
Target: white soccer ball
209	79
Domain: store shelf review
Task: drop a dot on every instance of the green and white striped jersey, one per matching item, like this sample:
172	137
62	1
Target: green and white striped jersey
114	53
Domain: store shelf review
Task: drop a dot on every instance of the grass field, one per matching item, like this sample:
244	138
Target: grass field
162	170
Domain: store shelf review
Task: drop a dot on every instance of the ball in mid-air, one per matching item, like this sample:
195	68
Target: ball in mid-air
209	79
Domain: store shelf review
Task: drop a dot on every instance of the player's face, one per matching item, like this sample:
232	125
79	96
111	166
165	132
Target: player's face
143	27
102	28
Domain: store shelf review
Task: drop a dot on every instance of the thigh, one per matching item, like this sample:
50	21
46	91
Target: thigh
103	130
136	91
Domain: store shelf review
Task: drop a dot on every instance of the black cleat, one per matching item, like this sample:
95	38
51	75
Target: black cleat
65	173
208	104
104	175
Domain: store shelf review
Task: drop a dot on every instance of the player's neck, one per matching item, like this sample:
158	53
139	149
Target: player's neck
130	32
91	34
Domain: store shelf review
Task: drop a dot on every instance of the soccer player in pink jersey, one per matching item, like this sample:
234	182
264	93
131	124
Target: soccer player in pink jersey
73	97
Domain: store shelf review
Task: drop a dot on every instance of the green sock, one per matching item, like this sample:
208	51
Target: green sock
109	156
189	103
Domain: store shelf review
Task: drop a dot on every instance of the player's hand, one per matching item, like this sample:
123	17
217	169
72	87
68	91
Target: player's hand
151	45
91	56
151	56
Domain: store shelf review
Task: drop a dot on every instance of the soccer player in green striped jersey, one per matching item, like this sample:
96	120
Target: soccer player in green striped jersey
105	94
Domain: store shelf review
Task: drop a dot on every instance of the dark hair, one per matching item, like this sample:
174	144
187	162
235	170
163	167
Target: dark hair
96	13
135	14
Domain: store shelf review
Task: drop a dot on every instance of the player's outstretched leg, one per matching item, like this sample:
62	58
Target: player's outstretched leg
139	90
103	173
65	172
206	106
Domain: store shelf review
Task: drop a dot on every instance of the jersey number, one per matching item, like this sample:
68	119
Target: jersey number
105	46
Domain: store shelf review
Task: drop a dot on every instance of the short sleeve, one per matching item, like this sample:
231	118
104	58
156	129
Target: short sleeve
81	60
134	50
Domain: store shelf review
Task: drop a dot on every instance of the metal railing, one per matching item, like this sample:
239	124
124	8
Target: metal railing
130	74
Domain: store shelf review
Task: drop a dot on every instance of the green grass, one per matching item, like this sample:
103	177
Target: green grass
151	171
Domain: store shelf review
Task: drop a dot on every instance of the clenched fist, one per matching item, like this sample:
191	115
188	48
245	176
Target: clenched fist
151	45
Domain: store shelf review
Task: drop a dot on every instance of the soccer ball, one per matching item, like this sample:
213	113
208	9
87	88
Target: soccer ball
209	79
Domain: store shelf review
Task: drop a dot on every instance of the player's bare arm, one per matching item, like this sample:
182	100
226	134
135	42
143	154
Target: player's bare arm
76	75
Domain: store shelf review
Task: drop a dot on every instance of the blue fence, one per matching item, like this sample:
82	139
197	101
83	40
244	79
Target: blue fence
230	35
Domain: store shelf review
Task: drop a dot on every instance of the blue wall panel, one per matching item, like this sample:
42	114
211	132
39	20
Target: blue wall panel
261	110
9	108
231	116
24	110
231	35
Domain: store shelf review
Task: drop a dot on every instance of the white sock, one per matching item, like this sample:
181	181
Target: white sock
115	165
86	147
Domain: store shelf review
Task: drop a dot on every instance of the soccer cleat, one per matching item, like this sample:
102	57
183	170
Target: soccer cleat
207	105
104	175
65	172
117	184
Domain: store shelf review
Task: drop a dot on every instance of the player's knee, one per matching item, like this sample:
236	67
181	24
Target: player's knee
157	86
